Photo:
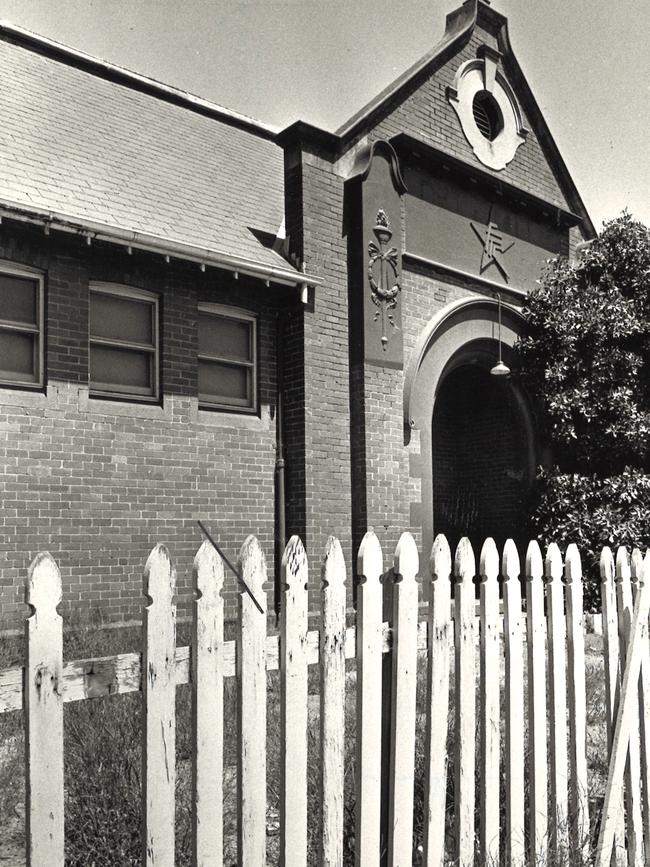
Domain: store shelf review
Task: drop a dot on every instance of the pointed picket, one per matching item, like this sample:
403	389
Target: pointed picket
490	711
514	696
578	784
536	633
251	708
465	668
43	706
293	706
404	684
332	709
638	577
159	708
627	708
207	709
440	633
633	810
559	784
369	701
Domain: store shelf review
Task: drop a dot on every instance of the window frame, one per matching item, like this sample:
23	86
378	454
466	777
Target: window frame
13	269
238	315
112	390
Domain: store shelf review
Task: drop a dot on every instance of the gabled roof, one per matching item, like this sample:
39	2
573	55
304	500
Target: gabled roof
93	145
460	26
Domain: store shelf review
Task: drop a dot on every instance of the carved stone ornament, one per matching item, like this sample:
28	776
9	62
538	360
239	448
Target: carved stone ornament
492	242
383	272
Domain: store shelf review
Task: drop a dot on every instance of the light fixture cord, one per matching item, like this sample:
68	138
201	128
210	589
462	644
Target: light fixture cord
499	308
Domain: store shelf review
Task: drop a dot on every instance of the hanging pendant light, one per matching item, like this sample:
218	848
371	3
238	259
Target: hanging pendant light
500	369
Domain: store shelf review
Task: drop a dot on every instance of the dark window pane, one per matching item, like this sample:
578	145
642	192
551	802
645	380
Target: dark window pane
17	356
123	370
225	383
225	338
119	318
18	299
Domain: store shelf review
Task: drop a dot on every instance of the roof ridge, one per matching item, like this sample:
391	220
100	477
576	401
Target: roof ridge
136	80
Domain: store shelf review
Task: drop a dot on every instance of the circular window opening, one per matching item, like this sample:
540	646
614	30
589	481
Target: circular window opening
487	115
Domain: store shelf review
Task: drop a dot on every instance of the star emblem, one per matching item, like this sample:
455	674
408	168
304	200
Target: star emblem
491	239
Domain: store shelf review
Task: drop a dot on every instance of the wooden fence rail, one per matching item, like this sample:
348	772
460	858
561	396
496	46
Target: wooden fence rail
543	770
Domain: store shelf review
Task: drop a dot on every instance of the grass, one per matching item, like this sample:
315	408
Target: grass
103	763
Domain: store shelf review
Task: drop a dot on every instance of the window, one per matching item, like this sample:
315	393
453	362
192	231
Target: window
227	358
21	327
123	342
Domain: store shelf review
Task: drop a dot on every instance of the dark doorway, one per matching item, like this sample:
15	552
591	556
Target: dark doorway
480	460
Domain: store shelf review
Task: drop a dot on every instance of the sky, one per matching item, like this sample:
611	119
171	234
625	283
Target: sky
587	62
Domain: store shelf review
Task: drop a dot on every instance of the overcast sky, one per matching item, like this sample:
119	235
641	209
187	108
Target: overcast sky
587	61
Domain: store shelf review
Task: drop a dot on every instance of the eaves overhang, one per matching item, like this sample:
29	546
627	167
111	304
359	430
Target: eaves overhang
169	248
406	145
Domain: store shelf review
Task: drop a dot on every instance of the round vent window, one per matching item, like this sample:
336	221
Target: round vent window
487	115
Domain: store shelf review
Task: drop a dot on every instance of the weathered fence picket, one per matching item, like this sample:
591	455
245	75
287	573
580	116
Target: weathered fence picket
404	682
514	697
611	658
369	701
251	709
559	784
637	578
633	814
207	709
43	700
293	706
627	707
578	787
332	706
489	703
558	819
159	705
440	631
536	633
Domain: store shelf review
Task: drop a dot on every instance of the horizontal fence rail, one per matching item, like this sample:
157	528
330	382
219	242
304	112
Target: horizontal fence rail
502	709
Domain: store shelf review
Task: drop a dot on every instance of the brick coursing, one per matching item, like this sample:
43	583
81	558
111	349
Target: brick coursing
98	489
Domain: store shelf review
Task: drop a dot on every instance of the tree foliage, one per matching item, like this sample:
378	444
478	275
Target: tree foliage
585	358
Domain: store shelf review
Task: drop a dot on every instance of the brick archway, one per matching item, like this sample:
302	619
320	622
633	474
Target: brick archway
463	335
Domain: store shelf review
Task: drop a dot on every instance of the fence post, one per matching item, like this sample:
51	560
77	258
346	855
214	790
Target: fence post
207	709
489	702
159	708
465	647
514	694
404	681
332	711
43	704
439	658
369	701
557	711
633	818
578	790
293	699
536	633
251	709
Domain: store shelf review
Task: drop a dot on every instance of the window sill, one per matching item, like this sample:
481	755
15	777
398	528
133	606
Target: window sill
129	409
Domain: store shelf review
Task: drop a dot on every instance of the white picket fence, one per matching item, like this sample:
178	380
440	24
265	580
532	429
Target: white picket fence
551	634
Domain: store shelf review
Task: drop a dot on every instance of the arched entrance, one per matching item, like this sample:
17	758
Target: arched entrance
480	457
471	435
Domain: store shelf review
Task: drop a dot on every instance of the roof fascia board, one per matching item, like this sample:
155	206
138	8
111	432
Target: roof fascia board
405	144
154	244
303	132
537	121
133	80
459	26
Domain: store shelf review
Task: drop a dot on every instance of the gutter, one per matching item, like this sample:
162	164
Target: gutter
154	244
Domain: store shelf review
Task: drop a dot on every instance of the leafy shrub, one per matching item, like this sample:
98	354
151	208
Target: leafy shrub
585	358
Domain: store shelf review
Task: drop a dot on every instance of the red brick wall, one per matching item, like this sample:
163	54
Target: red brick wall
98	483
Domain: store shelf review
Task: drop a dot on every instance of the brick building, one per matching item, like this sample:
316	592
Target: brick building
181	287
